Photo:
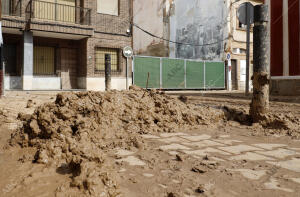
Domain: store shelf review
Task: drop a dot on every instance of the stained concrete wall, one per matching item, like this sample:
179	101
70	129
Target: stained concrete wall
199	22
149	16
187	21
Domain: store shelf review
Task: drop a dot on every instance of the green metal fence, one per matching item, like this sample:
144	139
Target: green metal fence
168	73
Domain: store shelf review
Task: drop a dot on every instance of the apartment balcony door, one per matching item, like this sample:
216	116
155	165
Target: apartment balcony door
69	68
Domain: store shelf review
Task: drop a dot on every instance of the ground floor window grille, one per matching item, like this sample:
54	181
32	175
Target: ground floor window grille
44	60
100	59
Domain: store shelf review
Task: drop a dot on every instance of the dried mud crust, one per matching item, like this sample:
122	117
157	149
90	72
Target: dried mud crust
270	124
74	132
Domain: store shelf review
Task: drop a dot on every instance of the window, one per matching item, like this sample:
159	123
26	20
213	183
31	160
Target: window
43	62
9	58
108	7
100	59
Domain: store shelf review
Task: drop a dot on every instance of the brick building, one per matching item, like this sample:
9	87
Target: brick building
61	44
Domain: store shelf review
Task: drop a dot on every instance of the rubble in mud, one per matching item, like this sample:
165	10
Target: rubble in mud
75	131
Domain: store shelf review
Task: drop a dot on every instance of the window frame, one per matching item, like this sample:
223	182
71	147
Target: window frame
118	70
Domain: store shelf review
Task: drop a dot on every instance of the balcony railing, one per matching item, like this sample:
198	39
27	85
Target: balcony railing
58	12
12	7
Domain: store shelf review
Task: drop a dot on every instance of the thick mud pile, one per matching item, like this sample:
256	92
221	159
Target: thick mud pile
73	132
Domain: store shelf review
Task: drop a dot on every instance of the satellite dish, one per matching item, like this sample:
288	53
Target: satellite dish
242	13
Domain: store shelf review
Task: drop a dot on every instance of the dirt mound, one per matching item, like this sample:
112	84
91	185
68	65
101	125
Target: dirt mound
74	132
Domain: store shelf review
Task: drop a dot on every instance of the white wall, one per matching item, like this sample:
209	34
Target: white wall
98	83
12	83
149	16
46	83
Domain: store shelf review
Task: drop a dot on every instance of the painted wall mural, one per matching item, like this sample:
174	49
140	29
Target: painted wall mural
198	22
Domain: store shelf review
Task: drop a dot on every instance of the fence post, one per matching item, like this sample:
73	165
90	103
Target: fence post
132	70
185	85
107	72
160	74
204	75
261	67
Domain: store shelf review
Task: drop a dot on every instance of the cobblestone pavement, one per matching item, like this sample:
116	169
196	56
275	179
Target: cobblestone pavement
266	166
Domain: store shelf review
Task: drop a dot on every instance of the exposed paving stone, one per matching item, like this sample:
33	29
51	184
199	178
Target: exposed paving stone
122	152
148	175
251	157
196	138
163	186
174	147
203	143
122	170
204	152
175	181
295	149
238	149
217	159
224	136
269	146
293	165
273	184
227	142
172	140
147	136
297	180
171	134
173	153
279	153
251	174
133	161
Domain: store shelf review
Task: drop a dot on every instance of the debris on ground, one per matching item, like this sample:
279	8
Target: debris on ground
29	103
88	144
76	129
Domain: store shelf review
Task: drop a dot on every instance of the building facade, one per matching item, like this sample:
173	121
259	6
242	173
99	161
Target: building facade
209	29
61	44
199	24
236	45
285	47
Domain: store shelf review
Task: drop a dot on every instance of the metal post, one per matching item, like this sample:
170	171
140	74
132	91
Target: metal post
248	49
160	74
185	85
261	71
132	70
127	73
107	72
1	56
204	75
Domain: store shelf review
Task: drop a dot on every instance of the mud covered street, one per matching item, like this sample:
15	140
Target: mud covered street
146	143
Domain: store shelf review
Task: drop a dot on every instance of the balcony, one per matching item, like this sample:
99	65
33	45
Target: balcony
58	12
12	7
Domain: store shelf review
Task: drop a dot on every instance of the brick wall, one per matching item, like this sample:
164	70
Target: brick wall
106	41
105	31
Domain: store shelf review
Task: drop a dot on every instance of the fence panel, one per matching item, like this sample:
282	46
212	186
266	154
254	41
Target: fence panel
173	74
143	66
167	73
214	75
194	75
